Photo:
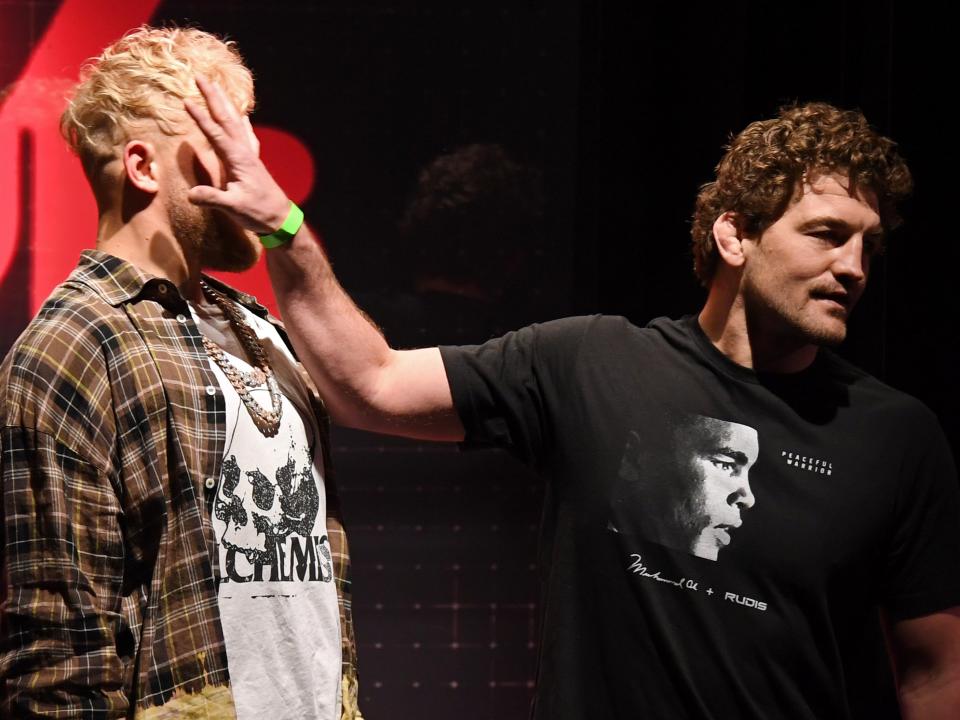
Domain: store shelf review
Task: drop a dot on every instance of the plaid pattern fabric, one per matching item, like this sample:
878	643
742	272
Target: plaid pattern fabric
111	422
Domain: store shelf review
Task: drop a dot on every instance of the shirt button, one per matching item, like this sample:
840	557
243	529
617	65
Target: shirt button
211	390
181	318
210	483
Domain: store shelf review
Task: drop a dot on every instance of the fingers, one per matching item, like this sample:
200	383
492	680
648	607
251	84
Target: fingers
219	121
221	107
250	194
207	124
252	136
249	210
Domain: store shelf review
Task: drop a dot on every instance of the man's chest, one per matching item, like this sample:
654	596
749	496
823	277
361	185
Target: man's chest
730	486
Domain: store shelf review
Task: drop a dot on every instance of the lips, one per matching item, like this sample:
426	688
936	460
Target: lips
840	297
837	301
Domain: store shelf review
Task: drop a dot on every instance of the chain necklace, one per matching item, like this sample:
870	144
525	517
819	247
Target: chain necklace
267	421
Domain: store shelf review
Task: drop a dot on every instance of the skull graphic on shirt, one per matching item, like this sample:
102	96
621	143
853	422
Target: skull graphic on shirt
265	494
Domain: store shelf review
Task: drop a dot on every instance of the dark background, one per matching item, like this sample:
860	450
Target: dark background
615	114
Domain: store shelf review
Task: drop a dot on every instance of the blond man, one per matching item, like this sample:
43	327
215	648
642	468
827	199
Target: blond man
172	543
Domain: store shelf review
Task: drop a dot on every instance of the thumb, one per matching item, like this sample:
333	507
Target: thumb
207	196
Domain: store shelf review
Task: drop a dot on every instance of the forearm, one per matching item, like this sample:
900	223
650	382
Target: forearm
926	659
365	383
938	698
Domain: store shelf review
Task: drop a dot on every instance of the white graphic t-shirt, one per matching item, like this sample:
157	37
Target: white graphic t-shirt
278	602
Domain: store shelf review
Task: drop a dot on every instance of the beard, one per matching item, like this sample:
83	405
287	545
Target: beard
772	314
231	248
219	242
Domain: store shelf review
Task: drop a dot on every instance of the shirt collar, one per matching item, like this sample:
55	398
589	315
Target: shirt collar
245	299
118	281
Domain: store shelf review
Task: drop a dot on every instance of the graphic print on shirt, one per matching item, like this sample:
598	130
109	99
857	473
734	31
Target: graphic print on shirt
267	505
685	485
279	606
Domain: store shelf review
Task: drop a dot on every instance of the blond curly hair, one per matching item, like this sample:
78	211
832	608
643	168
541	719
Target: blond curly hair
759	174
144	77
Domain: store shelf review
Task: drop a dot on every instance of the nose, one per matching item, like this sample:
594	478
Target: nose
742	496
851	261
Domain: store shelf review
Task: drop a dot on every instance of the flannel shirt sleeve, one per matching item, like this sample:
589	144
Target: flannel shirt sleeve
64	643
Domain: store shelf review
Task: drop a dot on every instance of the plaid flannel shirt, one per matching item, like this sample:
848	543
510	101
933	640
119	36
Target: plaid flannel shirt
111	422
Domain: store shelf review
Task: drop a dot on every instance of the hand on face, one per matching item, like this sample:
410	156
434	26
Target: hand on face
250	195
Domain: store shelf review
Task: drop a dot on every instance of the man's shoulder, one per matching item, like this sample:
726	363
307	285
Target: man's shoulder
868	393
61	353
577	328
614	335
589	337
71	314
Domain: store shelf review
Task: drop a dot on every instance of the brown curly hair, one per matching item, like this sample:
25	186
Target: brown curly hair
759	174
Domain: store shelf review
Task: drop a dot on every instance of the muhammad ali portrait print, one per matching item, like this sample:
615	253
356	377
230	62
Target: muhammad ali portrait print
686	485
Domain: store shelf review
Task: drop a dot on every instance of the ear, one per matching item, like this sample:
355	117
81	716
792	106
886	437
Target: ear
140	165
726	235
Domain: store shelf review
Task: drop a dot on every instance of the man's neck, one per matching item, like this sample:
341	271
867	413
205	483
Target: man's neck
725	323
153	248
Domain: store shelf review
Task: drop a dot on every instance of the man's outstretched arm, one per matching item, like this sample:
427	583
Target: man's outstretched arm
364	382
926	658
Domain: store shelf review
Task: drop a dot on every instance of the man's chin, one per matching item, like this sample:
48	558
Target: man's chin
828	331
823	335
706	547
241	252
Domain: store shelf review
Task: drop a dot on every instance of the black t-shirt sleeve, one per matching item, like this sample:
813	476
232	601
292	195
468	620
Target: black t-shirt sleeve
506	390
923	561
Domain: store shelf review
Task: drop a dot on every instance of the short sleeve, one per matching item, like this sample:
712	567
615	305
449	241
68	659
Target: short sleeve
506	390
923	562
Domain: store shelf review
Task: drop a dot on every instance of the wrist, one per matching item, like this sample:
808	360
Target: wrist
286	229
274	219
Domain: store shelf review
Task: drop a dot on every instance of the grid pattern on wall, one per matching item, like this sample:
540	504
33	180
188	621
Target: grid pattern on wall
445	577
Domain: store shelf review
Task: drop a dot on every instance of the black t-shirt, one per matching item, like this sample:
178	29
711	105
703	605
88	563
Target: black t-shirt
717	543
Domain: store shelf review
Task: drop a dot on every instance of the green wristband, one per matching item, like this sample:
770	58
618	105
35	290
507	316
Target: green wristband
286	231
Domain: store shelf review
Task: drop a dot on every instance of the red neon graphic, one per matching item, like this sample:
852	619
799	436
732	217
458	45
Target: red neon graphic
61	219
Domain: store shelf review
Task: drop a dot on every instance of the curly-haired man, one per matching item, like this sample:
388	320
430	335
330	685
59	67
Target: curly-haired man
171	542
851	500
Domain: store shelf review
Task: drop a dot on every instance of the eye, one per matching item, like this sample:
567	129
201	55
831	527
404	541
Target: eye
723	463
826	236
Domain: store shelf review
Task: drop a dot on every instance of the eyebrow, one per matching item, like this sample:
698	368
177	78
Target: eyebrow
740	458
834	223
